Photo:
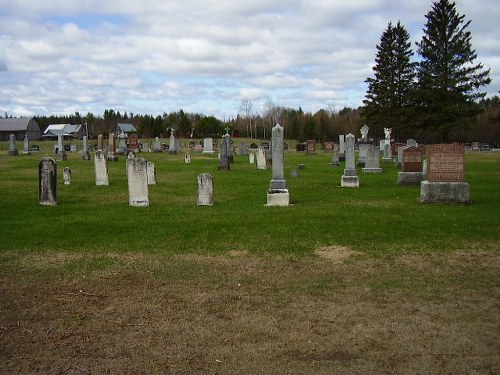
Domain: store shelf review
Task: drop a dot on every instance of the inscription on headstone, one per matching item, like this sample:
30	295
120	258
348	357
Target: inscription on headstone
101	168
205	190
137	182
445	162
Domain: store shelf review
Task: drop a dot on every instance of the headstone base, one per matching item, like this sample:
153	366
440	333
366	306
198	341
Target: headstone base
14	152
387	160
444	192
278	197
372	170
112	158
410	178
349	181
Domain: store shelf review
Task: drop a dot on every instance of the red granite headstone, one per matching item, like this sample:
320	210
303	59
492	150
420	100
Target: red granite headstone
445	162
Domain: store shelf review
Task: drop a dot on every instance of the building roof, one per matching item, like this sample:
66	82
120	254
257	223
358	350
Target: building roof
61	129
127	128
14	124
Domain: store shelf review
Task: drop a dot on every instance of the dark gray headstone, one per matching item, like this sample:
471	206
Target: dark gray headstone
47	182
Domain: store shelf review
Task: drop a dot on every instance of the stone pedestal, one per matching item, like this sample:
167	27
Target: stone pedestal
279	197
349	178
444	192
372	170
410	178
14	152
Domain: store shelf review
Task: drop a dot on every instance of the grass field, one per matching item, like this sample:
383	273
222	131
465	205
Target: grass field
364	280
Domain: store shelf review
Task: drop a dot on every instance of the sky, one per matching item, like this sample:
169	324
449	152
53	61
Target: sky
205	56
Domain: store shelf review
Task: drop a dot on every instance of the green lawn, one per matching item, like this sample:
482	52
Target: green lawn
377	218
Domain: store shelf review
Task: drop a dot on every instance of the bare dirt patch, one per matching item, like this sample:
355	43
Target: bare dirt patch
242	314
336	253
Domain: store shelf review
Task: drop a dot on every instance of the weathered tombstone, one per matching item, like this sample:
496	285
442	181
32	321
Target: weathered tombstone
335	157
130	154
349	178
243	150
475	146
300	147
224	163
61	153
372	164
85	152
122	143
208	146
387	152
26	144
381	146
278	194
187	158
363	144
13	151
133	142
411	167
67	176
198	148
112	148
294	173
205	190
172	149
261	158
341	147
394	149
311	147
151	172
445	175
328	146
137	176
157	145
411	143
101	168
47	182
100	142
399	160
251	158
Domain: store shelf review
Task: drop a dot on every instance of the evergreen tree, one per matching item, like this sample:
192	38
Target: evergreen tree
448	77
388	100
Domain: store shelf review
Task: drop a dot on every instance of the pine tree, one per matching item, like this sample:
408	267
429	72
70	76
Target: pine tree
388	100
448	77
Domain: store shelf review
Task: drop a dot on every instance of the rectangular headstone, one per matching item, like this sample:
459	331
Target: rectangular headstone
445	162
137	182
208	146
47	182
412	159
311	146
101	168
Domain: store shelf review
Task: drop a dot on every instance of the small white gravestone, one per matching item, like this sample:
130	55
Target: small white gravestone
372	164
208	146
251	158
137	182
151	169
187	158
261	158
85	152
205	190
26	144
101	168
67	176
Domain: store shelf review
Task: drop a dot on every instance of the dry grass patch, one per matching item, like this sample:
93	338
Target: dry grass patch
336	253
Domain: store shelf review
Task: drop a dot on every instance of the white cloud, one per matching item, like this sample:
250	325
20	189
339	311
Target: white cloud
203	55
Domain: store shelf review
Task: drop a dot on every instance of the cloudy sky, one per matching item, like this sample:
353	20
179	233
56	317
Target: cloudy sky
205	56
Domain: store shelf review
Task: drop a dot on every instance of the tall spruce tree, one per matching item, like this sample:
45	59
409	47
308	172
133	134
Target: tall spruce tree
388	100
448	77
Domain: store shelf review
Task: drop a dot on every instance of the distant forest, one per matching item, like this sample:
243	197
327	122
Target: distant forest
324	125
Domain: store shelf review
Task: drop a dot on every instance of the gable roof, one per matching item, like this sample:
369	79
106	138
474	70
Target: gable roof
127	128
14	124
61	129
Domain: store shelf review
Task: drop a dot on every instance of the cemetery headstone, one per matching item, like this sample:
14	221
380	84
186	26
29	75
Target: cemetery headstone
224	163
372	164
300	147
151	172
399	160
122	143
137	176
47	182
311	147
445	175
294	173
208	146
328	146
341	147
67	176
243	150
261	158
133	142
335	157
85	152
112	156
187	158
411	167
13	151
100	142
157	145
101	168
251	158
363	144
172	149
205	190
278	194
349	178
26	144
61	153
411	143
